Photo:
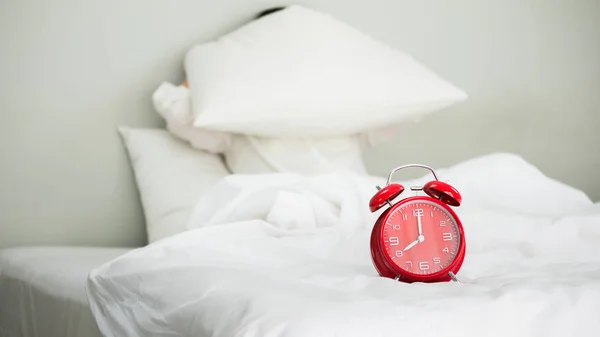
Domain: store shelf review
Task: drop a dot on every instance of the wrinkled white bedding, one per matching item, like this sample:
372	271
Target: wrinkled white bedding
286	256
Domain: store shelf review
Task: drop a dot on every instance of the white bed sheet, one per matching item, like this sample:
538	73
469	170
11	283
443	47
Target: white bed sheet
42	290
287	256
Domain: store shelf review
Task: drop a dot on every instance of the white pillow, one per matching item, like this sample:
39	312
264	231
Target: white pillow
173	104
302	73
171	177
250	155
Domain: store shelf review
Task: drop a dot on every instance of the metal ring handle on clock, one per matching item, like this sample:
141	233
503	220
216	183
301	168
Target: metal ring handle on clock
389	180
436	189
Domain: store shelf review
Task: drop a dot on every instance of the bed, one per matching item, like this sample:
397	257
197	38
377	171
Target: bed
112	225
43	290
273	256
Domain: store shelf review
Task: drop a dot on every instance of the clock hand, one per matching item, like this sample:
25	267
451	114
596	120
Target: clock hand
420	227
420	237
410	245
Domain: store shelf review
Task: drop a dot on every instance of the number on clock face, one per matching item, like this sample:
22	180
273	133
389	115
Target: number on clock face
439	234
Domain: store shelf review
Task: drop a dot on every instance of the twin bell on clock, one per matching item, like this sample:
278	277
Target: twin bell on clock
418	238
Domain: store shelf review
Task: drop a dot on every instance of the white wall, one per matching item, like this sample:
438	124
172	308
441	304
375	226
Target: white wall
71	71
532	69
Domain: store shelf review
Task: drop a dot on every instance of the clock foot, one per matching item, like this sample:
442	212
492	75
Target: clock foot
397	278
453	277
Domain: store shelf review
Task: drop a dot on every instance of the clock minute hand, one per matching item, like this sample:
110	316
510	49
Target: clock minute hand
421	237
420	225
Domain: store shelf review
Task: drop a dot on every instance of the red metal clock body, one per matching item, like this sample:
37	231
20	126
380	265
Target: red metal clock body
418	238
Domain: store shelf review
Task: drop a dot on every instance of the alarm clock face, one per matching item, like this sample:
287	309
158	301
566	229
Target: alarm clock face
421	237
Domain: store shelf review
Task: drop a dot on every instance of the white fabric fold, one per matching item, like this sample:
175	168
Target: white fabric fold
173	104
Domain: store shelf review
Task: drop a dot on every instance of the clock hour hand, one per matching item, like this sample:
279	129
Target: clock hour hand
410	245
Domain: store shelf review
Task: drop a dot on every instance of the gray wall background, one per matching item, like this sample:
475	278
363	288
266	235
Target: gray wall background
71	71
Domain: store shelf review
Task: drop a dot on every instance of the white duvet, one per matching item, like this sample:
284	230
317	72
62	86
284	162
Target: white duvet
280	255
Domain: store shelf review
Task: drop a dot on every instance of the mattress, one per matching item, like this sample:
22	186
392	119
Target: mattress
42	290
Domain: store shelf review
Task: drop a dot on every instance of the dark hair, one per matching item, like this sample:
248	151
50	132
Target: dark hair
268	11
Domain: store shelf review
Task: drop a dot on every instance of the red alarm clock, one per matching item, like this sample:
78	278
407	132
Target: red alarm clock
419	238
